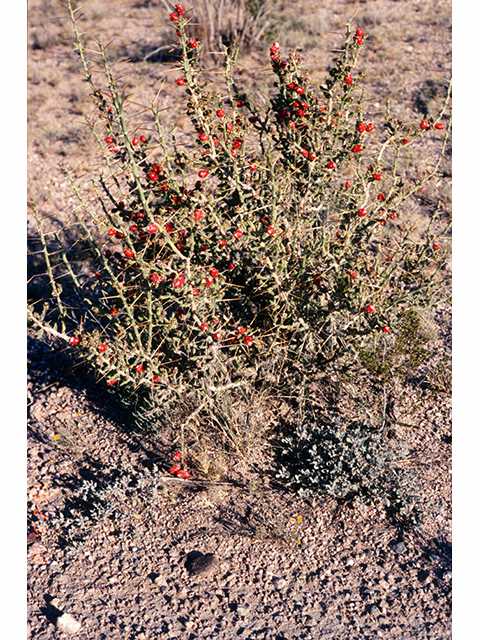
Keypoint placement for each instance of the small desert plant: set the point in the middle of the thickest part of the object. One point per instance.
(351, 463)
(229, 23)
(266, 243)
(440, 378)
(104, 505)
(400, 357)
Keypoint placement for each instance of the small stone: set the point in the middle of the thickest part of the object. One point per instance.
(203, 564)
(399, 547)
(160, 581)
(350, 562)
(67, 624)
(37, 548)
(280, 583)
(423, 575)
(31, 537)
(242, 610)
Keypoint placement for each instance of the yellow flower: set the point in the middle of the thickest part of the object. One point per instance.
(56, 437)
(299, 518)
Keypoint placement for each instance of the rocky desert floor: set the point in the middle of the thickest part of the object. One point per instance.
(119, 550)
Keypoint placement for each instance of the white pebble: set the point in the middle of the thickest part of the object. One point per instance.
(68, 624)
(160, 581)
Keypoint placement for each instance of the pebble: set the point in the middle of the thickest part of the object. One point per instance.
(280, 583)
(399, 547)
(37, 548)
(160, 581)
(204, 564)
(67, 624)
(423, 575)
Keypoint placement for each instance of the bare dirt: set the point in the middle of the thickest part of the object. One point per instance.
(117, 543)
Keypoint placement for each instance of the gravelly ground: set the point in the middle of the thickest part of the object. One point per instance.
(114, 554)
(121, 568)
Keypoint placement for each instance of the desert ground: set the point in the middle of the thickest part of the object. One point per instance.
(112, 541)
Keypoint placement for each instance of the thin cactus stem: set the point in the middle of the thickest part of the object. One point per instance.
(105, 265)
(55, 288)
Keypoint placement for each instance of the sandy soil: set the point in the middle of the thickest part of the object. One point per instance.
(113, 541)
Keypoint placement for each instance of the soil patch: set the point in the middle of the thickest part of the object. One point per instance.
(131, 553)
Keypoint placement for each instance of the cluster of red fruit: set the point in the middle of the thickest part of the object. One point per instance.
(424, 125)
(110, 141)
(371, 309)
(179, 11)
(102, 348)
(358, 38)
(178, 281)
(297, 114)
(177, 470)
(155, 174)
(218, 335)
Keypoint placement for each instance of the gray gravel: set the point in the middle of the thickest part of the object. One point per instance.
(145, 558)
(114, 555)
